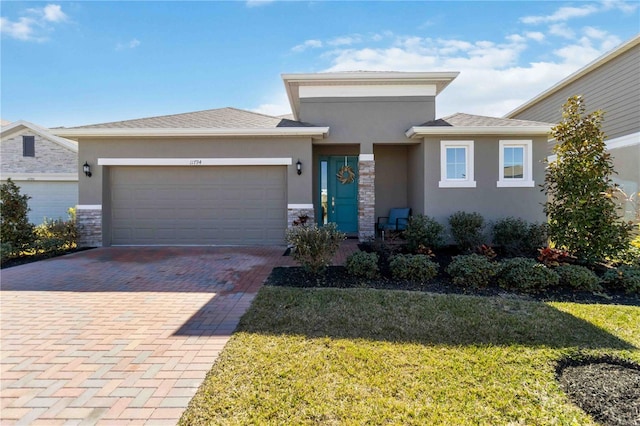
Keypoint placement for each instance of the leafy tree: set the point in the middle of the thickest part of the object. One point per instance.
(583, 215)
(15, 230)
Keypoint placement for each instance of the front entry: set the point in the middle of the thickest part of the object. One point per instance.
(339, 192)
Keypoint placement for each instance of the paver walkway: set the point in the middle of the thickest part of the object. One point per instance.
(121, 335)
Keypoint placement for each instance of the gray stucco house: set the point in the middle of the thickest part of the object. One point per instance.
(43, 165)
(358, 144)
(610, 83)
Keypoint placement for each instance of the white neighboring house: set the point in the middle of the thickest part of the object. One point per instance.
(43, 165)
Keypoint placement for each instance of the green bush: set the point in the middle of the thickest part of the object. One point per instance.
(15, 229)
(471, 270)
(54, 236)
(314, 247)
(625, 277)
(517, 237)
(362, 264)
(413, 267)
(526, 275)
(466, 229)
(423, 231)
(578, 277)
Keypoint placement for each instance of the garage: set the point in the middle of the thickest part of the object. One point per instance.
(202, 205)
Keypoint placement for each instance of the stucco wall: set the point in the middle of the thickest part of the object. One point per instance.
(391, 178)
(91, 189)
(487, 199)
(367, 120)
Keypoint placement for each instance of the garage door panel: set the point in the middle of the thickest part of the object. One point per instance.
(198, 205)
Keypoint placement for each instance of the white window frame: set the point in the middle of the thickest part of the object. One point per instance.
(527, 173)
(469, 180)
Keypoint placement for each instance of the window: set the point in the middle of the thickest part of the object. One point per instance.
(28, 146)
(515, 164)
(456, 164)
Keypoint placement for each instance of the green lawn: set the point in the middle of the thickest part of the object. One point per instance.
(360, 356)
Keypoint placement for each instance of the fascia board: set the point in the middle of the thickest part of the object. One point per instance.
(422, 131)
(314, 132)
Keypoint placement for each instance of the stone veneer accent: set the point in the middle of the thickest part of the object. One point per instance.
(89, 222)
(366, 199)
(293, 213)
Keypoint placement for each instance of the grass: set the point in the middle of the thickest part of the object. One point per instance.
(356, 356)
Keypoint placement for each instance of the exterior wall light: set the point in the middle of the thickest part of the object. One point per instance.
(299, 167)
(86, 168)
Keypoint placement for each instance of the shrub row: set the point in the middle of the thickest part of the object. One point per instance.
(515, 236)
(518, 274)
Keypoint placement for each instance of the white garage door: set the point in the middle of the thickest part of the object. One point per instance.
(50, 199)
(227, 205)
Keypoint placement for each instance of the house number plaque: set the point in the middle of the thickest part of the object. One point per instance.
(195, 162)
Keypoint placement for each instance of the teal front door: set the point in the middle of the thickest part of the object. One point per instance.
(339, 192)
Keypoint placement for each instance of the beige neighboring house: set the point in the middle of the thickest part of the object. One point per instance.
(610, 83)
(43, 165)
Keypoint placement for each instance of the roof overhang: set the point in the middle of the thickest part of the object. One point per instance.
(292, 82)
(313, 132)
(577, 75)
(417, 132)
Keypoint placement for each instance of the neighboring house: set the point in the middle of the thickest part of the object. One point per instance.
(43, 165)
(358, 144)
(610, 83)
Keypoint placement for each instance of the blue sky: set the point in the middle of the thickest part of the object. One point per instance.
(74, 63)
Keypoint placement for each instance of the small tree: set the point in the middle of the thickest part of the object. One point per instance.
(15, 230)
(581, 209)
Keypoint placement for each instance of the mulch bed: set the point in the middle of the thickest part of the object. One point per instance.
(37, 257)
(606, 388)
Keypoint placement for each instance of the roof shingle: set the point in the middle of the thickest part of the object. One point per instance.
(469, 120)
(221, 118)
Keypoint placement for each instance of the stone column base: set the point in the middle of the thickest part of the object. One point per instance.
(366, 197)
(89, 223)
(295, 211)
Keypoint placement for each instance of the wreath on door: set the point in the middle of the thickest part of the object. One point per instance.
(346, 175)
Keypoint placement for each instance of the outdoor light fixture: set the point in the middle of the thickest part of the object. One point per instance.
(86, 168)
(299, 167)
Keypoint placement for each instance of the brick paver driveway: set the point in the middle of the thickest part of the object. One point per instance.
(120, 335)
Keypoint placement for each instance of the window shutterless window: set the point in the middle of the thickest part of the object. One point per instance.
(515, 164)
(28, 146)
(456, 164)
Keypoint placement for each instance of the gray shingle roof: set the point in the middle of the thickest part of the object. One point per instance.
(221, 118)
(468, 120)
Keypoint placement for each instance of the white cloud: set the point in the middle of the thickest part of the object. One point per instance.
(54, 13)
(561, 30)
(22, 29)
(562, 14)
(308, 44)
(276, 106)
(258, 3)
(493, 80)
(626, 7)
(36, 25)
(345, 41)
(131, 44)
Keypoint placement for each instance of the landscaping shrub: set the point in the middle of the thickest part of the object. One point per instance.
(314, 247)
(581, 207)
(466, 229)
(423, 231)
(625, 277)
(15, 230)
(54, 236)
(362, 264)
(554, 257)
(413, 267)
(578, 277)
(471, 270)
(526, 275)
(517, 237)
